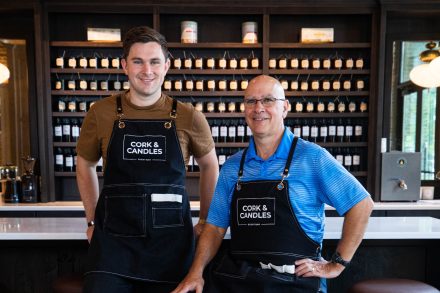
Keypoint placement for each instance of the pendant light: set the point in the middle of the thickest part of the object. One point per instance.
(427, 75)
(4, 73)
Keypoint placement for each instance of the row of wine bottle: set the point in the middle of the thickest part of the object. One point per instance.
(350, 158)
(65, 160)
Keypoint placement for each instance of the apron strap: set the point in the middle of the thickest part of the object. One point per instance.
(173, 115)
(280, 185)
(119, 113)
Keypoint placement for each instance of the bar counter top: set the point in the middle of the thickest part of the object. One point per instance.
(398, 228)
(195, 206)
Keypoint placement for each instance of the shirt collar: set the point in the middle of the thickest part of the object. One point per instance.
(282, 151)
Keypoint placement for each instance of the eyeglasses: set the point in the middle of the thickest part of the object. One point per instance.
(266, 102)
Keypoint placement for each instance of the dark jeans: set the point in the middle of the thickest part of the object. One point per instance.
(108, 283)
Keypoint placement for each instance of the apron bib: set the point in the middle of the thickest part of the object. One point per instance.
(264, 229)
(143, 228)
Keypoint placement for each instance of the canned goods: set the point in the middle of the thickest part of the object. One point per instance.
(189, 32)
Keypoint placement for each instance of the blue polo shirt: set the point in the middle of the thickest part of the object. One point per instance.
(315, 178)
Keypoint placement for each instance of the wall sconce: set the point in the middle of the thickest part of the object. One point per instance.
(4, 73)
(428, 74)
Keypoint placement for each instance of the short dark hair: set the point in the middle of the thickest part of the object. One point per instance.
(143, 34)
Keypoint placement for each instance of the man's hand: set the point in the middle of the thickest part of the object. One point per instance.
(322, 268)
(198, 228)
(190, 283)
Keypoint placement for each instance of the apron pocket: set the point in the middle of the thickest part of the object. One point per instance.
(232, 269)
(125, 215)
(167, 210)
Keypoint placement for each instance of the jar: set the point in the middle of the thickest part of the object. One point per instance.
(188, 32)
(249, 32)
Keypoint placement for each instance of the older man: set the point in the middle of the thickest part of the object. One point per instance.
(272, 196)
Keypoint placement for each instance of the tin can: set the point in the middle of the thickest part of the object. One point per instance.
(249, 32)
(189, 32)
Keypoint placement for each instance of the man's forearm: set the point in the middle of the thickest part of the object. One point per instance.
(88, 186)
(207, 247)
(208, 179)
(355, 223)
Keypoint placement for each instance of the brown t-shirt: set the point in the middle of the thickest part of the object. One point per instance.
(192, 128)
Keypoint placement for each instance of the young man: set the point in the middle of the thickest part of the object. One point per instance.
(139, 227)
(272, 197)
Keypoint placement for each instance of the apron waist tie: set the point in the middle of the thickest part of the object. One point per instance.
(284, 269)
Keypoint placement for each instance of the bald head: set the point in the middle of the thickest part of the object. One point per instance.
(264, 83)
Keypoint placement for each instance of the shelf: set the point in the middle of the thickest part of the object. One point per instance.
(241, 115)
(245, 144)
(325, 94)
(216, 71)
(214, 46)
(84, 93)
(329, 115)
(205, 93)
(319, 46)
(319, 71)
(88, 70)
(356, 174)
(85, 44)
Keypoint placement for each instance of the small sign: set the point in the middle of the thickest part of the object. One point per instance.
(317, 35)
(104, 34)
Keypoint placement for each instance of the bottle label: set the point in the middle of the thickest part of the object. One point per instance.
(59, 160)
(349, 63)
(340, 130)
(104, 85)
(94, 85)
(83, 84)
(299, 107)
(233, 63)
(117, 85)
(340, 159)
(233, 85)
(199, 106)
(310, 107)
(93, 63)
(126, 85)
(231, 107)
(347, 85)
(222, 63)
(285, 85)
(232, 131)
(210, 63)
(326, 85)
(199, 63)
(61, 106)
(66, 129)
(72, 106)
(72, 62)
(294, 85)
(223, 131)
(177, 63)
(75, 131)
(211, 85)
(348, 160)
(255, 63)
(315, 85)
(326, 63)
(115, 63)
(244, 84)
(240, 130)
(323, 131)
(358, 130)
(352, 106)
(178, 85)
(341, 107)
(305, 63)
(336, 85)
(282, 63)
(304, 85)
(360, 84)
(314, 131)
(243, 63)
(214, 131)
(332, 130)
(356, 160)
(338, 63)
(59, 62)
(221, 160)
(359, 63)
(297, 131)
(210, 107)
(104, 62)
(272, 63)
(188, 63)
(189, 85)
(331, 107)
(83, 106)
(71, 84)
(69, 161)
(305, 130)
(83, 62)
(221, 107)
(58, 131)
(316, 64)
(348, 130)
(222, 84)
(321, 107)
(294, 63)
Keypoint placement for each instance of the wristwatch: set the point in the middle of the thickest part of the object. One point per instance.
(337, 258)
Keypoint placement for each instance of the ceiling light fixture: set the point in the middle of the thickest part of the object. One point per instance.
(4, 73)
(427, 75)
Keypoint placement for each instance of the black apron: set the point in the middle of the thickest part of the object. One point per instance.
(264, 229)
(143, 228)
